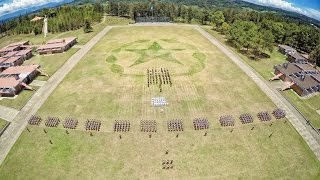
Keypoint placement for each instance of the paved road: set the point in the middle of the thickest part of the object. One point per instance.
(17, 125)
(7, 113)
(292, 114)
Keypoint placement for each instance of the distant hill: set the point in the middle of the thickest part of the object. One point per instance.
(240, 4)
(30, 10)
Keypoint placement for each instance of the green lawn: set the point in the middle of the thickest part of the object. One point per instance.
(109, 84)
(2, 123)
(51, 63)
(264, 67)
(307, 106)
(19, 101)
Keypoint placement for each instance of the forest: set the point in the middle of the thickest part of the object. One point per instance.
(252, 31)
(61, 19)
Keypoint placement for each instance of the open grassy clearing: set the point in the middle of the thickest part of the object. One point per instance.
(51, 63)
(264, 67)
(205, 84)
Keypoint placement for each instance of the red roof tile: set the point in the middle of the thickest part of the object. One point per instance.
(8, 82)
(20, 69)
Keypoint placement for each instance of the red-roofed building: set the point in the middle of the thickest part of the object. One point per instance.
(303, 78)
(57, 45)
(11, 61)
(10, 86)
(24, 73)
(14, 79)
(13, 47)
(25, 54)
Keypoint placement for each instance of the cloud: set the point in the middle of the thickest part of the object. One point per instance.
(16, 5)
(282, 4)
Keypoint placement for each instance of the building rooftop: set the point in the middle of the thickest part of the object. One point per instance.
(62, 40)
(8, 82)
(20, 69)
(6, 49)
(286, 47)
(18, 44)
(306, 67)
(51, 46)
(316, 77)
(18, 53)
(2, 59)
(11, 59)
(36, 18)
(288, 68)
(56, 43)
(297, 56)
(305, 82)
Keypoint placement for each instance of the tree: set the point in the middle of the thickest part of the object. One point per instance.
(291, 34)
(217, 18)
(244, 34)
(189, 14)
(265, 42)
(36, 30)
(87, 26)
(225, 28)
(315, 55)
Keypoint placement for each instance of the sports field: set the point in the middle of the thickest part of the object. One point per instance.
(110, 83)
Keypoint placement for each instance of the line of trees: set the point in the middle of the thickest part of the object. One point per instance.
(253, 32)
(64, 18)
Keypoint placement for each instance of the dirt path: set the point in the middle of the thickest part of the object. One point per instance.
(19, 123)
(308, 134)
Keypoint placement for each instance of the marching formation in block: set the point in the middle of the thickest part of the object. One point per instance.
(52, 121)
(159, 101)
(200, 123)
(175, 125)
(151, 125)
(92, 125)
(70, 123)
(227, 120)
(246, 118)
(167, 164)
(35, 120)
(121, 126)
(148, 126)
(264, 116)
(159, 77)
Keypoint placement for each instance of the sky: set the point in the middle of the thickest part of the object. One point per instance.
(310, 8)
(14, 8)
(10, 6)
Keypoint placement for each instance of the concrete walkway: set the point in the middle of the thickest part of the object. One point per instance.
(38, 83)
(18, 124)
(7, 113)
(308, 134)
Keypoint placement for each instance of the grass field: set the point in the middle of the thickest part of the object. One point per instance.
(264, 67)
(109, 84)
(51, 63)
(2, 123)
